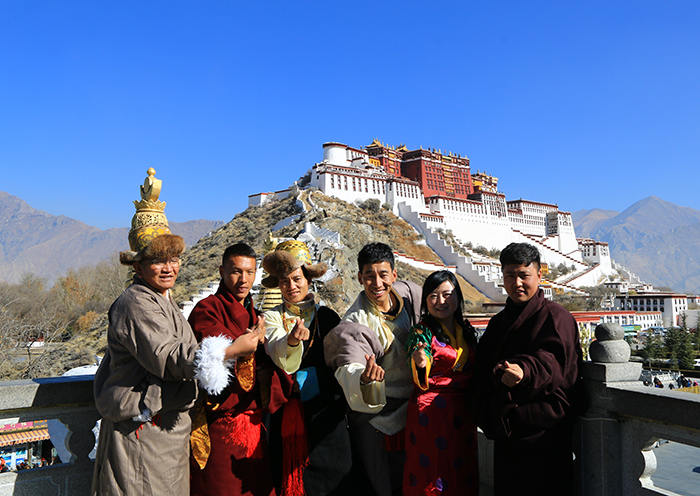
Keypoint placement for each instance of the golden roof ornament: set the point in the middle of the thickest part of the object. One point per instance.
(149, 221)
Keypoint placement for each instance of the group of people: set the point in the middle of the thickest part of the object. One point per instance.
(22, 465)
(385, 400)
(681, 382)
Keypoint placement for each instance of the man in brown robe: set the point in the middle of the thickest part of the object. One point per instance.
(527, 371)
(238, 463)
(145, 383)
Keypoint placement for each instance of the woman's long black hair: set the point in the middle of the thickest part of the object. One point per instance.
(432, 282)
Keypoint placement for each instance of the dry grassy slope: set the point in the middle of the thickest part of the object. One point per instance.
(200, 265)
(357, 226)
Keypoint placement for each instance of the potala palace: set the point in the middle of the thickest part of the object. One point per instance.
(457, 210)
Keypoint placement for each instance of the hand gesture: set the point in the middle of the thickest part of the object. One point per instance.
(298, 333)
(512, 373)
(372, 372)
(243, 345)
(419, 356)
(259, 329)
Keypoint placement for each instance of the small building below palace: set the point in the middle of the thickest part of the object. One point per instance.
(671, 305)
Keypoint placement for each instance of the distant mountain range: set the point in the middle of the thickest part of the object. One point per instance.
(657, 239)
(33, 241)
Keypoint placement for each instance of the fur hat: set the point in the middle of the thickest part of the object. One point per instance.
(287, 257)
(161, 247)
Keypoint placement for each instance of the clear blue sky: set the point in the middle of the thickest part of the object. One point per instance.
(586, 104)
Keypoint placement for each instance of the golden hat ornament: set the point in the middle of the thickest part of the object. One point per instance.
(269, 298)
(148, 222)
(287, 257)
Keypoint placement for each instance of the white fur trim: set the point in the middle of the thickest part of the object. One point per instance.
(211, 370)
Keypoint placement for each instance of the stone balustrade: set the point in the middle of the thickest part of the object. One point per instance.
(70, 400)
(624, 419)
(614, 439)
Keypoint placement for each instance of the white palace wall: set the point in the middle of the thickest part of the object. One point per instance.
(408, 193)
(470, 221)
(487, 220)
(349, 187)
(464, 267)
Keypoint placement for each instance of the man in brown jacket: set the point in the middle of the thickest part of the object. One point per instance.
(527, 371)
(146, 381)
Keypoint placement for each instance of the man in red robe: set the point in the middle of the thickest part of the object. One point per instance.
(231, 458)
(527, 370)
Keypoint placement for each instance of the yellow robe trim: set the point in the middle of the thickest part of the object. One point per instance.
(245, 372)
(305, 310)
(199, 437)
(386, 336)
(421, 382)
(459, 344)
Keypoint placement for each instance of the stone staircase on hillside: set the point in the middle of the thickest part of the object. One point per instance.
(577, 275)
(422, 264)
(549, 252)
(203, 292)
(464, 266)
(627, 273)
(587, 275)
(566, 287)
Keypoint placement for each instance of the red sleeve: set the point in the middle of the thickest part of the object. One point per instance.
(208, 318)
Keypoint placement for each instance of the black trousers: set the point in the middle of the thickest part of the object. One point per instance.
(377, 471)
(543, 466)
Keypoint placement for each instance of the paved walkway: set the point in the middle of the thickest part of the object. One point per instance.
(678, 468)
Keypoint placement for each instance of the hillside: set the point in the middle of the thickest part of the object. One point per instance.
(85, 337)
(657, 239)
(36, 242)
(357, 226)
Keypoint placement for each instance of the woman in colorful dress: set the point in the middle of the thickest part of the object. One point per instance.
(441, 444)
(316, 454)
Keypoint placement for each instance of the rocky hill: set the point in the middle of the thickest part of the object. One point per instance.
(36, 242)
(657, 239)
(85, 338)
(287, 218)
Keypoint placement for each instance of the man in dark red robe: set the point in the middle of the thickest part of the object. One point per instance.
(229, 449)
(528, 370)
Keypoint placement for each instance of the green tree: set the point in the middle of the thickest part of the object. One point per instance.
(653, 349)
(570, 301)
(679, 346)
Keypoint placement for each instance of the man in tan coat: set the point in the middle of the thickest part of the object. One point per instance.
(146, 382)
